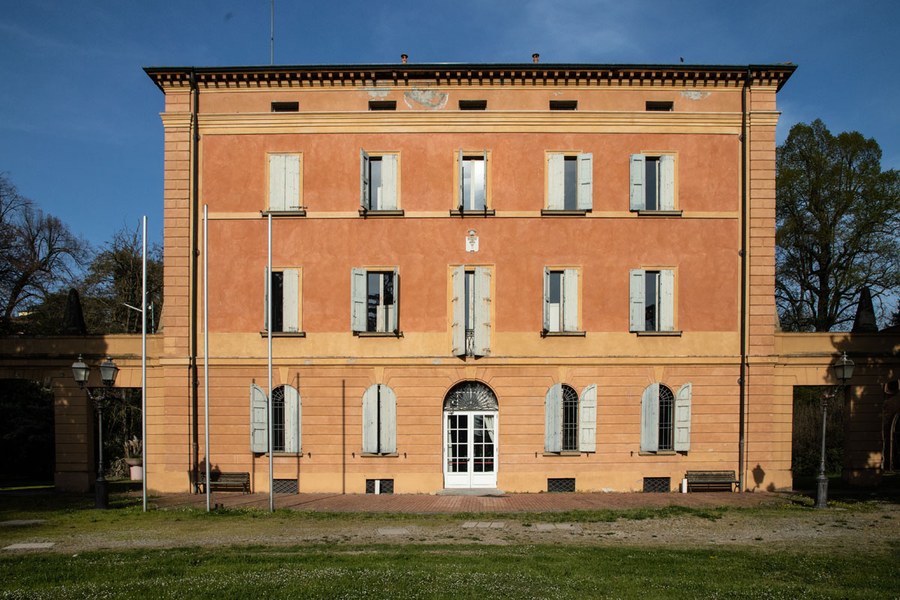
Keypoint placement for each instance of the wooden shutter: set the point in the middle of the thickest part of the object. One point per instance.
(585, 181)
(482, 311)
(358, 305)
(291, 182)
(370, 420)
(666, 300)
(570, 300)
(259, 419)
(666, 182)
(462, 181)
(637, 198)
(291, 300)
(650, 418)
(291, 419)
(683, 419)
(587, 419)
(388, 432)
(277, 172)
(364, 184)
(546, 299)
(389, 182)
(553, 419)
(458, 307)
(393, 323)
(556, 181)
(636, 300)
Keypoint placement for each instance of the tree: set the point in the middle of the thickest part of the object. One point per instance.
(837, 227)
(38, 253)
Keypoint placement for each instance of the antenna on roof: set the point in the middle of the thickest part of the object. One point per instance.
(272, 37)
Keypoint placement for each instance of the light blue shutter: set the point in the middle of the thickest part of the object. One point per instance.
(636, 300)
(482, 311)
(553, 419)
(587, 419)
(458, 306)
(666, 300)
(358, 300)
(291, 182)
(667, 182)
(259, 418)
(683, 419)
(570, 300)
(556, 181)
(291, 419)
(389, 182)
(388, 433)
(364, 180)
(546, 299)
(394, 310)
(370, 420)
(277, 168)
(637, 198)
(650, 418)
(290, 300)
(585, 181)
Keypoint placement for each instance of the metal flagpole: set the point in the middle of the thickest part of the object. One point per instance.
(206, 348)
(269, 330)
(144, 363)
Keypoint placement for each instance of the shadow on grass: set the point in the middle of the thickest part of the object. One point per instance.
(31, 497)
(887, 490)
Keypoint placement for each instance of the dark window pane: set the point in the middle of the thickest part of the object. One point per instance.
(570, 419)
(277, 301)
(666, 418)
(651, 299)
(651, 183)
(570, 200)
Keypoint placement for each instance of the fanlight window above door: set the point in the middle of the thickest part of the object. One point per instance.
(470, 395)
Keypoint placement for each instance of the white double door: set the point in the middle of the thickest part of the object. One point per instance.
(470, 449)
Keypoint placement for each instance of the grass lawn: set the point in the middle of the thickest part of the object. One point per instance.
(440, 571)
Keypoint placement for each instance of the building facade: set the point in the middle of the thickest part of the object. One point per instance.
(524, 277)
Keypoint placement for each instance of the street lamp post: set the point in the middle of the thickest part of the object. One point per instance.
(843, 371)
(108, 371)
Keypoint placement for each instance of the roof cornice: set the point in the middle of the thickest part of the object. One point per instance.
(470, 74)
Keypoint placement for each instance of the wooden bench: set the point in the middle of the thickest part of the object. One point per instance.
(711, 481)
(226, 482)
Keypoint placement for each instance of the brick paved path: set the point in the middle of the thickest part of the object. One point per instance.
(505, 503)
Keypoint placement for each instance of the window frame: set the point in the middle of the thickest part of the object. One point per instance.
(291, 420)
(666, 187)
(284, 177)
(584, 425)
(460, 158)
(555, 183)
(390, 178)
(477, 341)
(360, 300)
(677, 422)
(666, 305)
(290, 305)
(569, 307)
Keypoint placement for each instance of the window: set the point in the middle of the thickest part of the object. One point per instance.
(652, 183)
(662, 106)
(569, 185)
(382, 105)
(570, 423)
(285, 106)
(473, 105)
(560, 300)
(286, 410)
(375, 296)
(652, 300)
(285, 305)
(378, 182)
(379, 413)
(666, 419)
(563, 104)
(284, 182)
(471, 307)
(472, 181)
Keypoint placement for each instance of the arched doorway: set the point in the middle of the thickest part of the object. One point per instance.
(470, 436)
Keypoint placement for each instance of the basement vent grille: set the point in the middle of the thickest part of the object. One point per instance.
(285, 486)
(379, 486)
(661, 485)
(561, 484)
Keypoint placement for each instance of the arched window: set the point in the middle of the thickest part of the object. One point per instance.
(470, 395)
(666, 419)
(570, 422)
(285, 419)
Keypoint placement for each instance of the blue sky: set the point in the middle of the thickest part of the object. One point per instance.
(80, 132)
